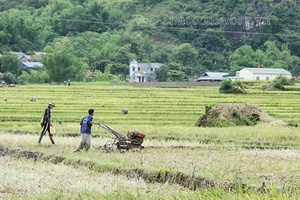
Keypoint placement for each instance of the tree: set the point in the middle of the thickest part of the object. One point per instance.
(241, 58)
(162, 74)
(174, 75)
(61, 63)
(185, 54)
(272, 57)
(10, 63)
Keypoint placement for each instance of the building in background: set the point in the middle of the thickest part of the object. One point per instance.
(143, 72)
(261, 74)
(213, 76)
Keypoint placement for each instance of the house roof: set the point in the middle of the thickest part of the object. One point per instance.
(267, 70)
(133, 62)
(31, 64)
(212, 76)
(88, 73)
(18, 54)
(27, 56)
(138, 73)
(39, 53)
(147, 66)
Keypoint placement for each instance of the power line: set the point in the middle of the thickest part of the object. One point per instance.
(208, 30)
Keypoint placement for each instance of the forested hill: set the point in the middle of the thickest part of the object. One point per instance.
(188, 36)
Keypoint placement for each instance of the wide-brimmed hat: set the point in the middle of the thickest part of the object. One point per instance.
(52, 104)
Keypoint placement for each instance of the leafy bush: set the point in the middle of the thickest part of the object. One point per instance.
(279, 82)
(232, 87)
(99, 76)
(9, 78)
(32, 76)
(284, 80)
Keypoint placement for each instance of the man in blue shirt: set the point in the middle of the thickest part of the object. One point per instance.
(85, 130)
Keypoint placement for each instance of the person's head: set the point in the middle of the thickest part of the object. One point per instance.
(91, 111)
(51, 105)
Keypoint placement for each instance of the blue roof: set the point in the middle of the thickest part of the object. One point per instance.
(212, 76)
(31, 64)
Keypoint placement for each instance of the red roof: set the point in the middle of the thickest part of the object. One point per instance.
(141, 72)
(88, 73)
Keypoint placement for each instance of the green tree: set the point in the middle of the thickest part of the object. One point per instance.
(10, 63)
(34, 76)
(241, 58)
(9, 78)
(61, 63)
(20, 30)
(272, 57)
(184, 54)
(176, 76)
(162, 74)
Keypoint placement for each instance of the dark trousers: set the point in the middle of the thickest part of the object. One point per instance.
(46, 128)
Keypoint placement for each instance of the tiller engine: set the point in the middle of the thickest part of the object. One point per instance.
(134, 140)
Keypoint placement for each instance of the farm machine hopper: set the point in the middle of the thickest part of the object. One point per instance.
(134, 140)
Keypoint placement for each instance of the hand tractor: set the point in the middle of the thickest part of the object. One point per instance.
(133, 140)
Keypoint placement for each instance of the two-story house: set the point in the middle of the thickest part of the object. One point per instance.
(143, 72)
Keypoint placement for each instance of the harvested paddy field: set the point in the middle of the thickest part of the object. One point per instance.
(179, 161)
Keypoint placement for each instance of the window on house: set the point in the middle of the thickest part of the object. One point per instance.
(151, 69)
(139, 69)
(133, 68)
(257, 78)
(267, 78)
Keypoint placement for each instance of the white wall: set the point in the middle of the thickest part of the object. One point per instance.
(247, 75)
(133, 67)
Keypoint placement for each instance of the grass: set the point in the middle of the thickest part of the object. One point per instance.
(160, 106)
(221, 163)
(40, 180)
(27, 179)
(248, 155)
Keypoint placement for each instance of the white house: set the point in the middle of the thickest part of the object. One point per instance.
(263, 74)
(143, 72)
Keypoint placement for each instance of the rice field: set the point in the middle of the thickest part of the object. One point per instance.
(245, 157)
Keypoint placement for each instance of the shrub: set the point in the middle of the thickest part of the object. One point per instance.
(279, 82)
(284, 80)
(232, 87)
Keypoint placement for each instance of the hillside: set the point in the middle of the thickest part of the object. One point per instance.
(191, 36)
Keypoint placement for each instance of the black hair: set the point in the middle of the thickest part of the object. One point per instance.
(91, 111)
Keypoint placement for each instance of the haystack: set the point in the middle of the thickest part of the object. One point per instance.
(235, 115)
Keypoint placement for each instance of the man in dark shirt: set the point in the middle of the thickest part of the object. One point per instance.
(46, 122)
(85, 130)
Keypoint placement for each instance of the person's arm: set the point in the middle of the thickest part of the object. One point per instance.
(90, 120)
(47, 116)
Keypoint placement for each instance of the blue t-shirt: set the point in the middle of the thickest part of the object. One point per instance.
(85, 124)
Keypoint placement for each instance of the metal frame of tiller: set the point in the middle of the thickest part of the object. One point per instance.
(133, 140)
